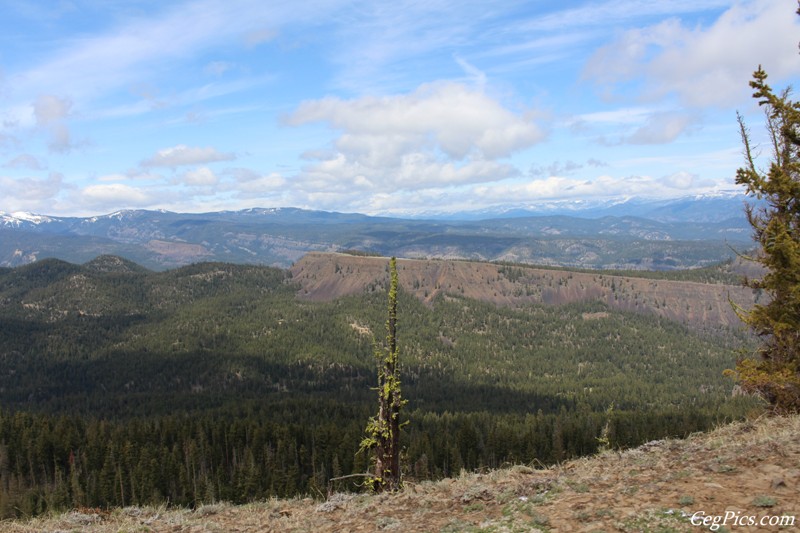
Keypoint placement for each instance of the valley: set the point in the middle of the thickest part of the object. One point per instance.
(667, 235)
(250, 381)
(418, 266)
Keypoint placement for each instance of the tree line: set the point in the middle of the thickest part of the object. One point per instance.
(59, 462)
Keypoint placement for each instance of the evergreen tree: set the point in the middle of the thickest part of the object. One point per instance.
(775, 373)
(383, 431)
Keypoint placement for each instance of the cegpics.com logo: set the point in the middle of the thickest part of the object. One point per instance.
(734, 519)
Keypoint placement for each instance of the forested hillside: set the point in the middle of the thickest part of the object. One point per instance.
(214, 381)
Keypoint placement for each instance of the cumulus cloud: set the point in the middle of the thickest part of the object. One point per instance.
(32, 188)
(114, 195)
(246, 176)
(181, 155)
(200, 176)
(30, 193)
(443, 133)
(682, 180)
(259, 185)
(703, 65)
(454, 118)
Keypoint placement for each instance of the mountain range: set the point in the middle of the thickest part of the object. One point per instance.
(630, 234)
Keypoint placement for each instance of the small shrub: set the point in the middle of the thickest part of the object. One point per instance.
(765, 501)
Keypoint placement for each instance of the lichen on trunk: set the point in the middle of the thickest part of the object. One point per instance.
(383, 430)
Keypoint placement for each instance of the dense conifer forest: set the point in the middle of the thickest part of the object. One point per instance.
(121, 386)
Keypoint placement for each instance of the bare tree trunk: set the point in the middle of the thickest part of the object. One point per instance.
(383, 431)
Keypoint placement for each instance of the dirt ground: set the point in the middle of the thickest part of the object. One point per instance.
(732, 479)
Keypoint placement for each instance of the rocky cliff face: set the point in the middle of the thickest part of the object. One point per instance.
(329, 276)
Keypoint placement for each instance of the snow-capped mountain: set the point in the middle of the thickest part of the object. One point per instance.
(22, 218)
(622, 233)
(713, 207)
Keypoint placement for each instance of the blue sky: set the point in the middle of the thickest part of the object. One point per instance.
(401, 107)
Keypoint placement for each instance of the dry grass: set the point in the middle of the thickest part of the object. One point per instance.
(750, 468)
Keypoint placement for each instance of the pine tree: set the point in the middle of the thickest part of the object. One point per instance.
(383, 430)
(775, 373)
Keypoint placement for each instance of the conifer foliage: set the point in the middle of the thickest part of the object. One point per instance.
(383, 430)
(775, 373)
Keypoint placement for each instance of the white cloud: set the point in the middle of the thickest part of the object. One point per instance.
(114, 195)
(49, 109)
(113, 177)
(681, 180)
(133, 50)
(31, 194)
(261, 184)
(61, 139)
(661, 128)
(477, 76)
(425, 144)
(200, 176)
(510, 192)
(51, 113)
(615, 12)
(443, 133)
(626, 115)
(634, 125)
(185, 155)
(380, 45)
(245, 183)
(452, 117)
(704, 66)
(604, 186)
(141, 175)
(25, 161)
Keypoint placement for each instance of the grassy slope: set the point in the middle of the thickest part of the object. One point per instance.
(749, 469)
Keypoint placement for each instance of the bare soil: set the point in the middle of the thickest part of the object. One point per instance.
(750, 470)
